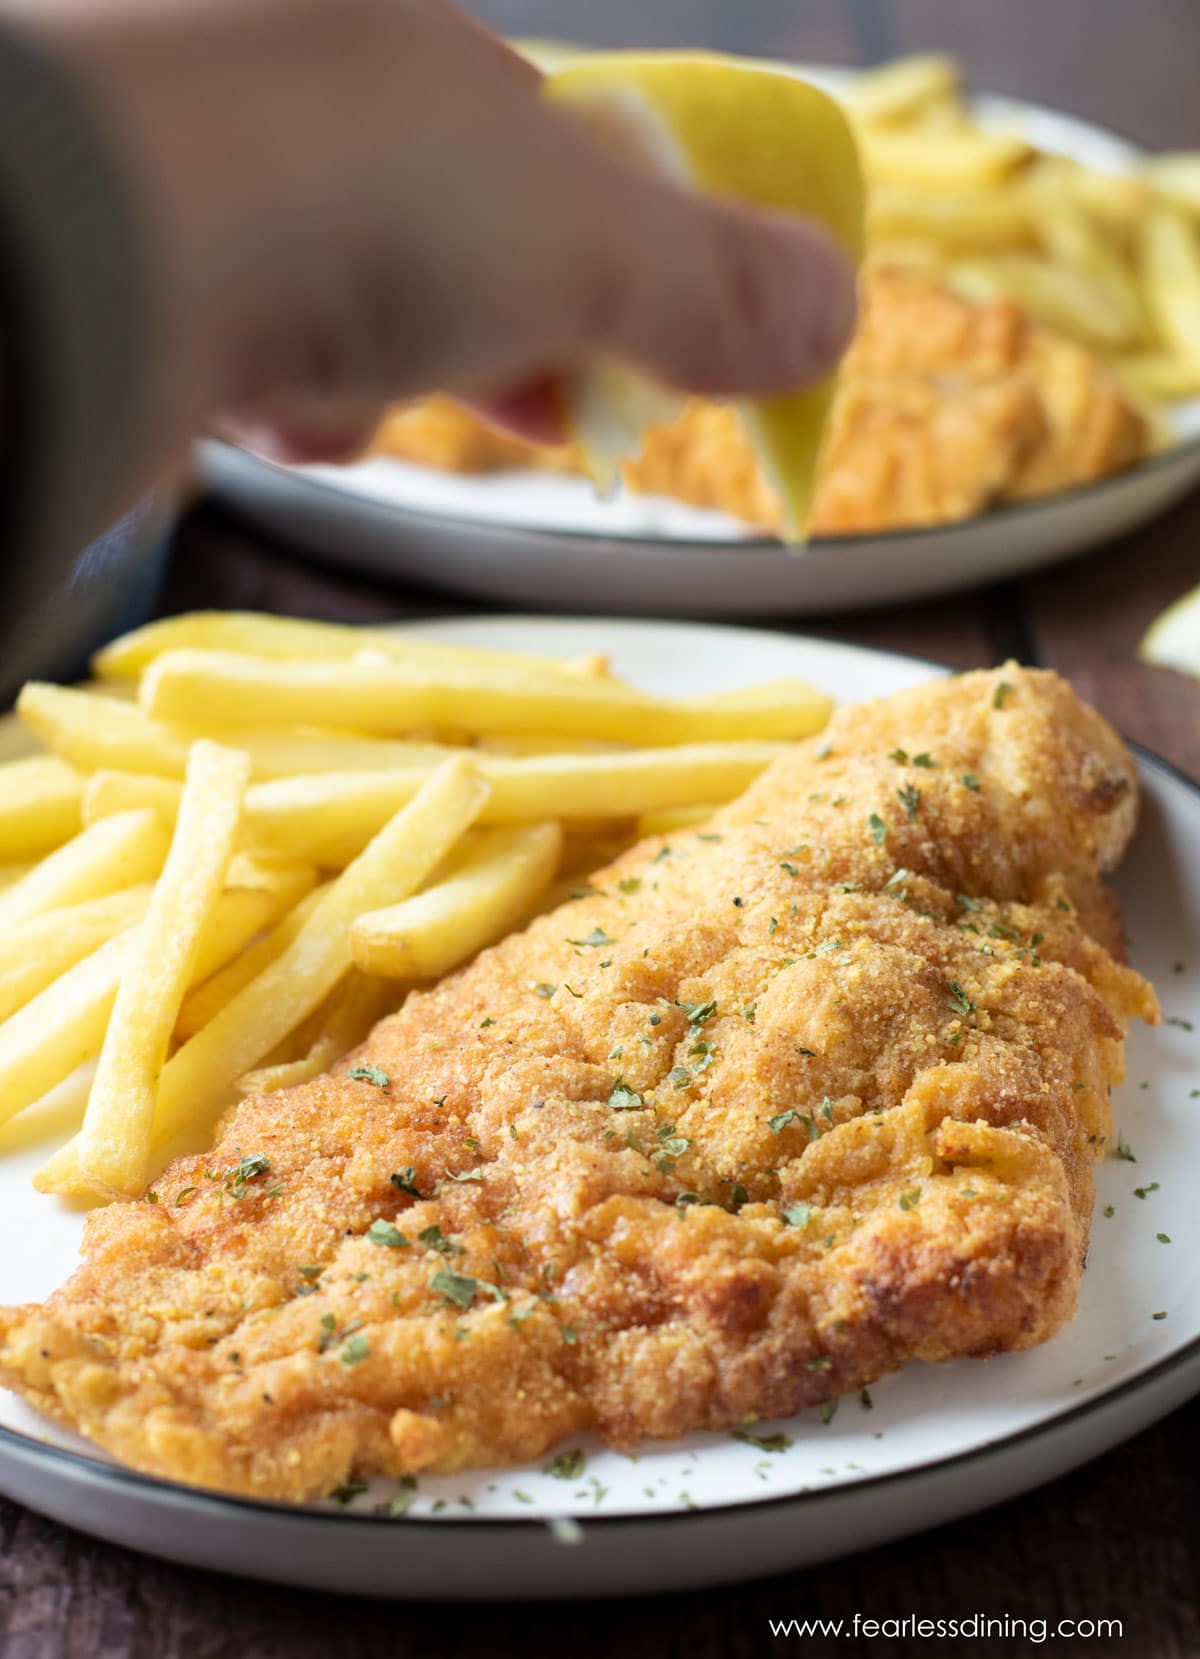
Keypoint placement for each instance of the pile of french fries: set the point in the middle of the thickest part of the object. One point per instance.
(247, 836)
(1111, 260)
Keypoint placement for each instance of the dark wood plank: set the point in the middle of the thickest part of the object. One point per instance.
(219, 562)
(1118, 1539)
(1087, 620)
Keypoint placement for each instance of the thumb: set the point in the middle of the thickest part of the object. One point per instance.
(708, 295)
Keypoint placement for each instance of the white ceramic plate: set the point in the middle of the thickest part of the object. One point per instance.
(939, 1442)
(540, 540)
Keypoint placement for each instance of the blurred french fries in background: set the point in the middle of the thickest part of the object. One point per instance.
(1171, 274)
(249, 836)
(904, 90)
(1176, 179)
(1110, 259)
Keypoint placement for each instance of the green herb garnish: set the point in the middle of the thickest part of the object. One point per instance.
(369, 1074)
(764, 1442)
(568, 1465)
(354, 1350)
(455, 1287)
(596, 937)
(383, 1232)
(959, 1000)
(910, 800)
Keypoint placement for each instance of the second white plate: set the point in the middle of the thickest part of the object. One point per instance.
(543, 541)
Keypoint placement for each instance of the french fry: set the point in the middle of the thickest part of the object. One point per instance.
(391, 697)
(1176, 178)
(1071, 236)
(979, 220)
(357, 1005)
(594, 665)
(107, 793)
(536, 743)
(1065, 298)
(118, 852)
(91, 732)
(15, 743)
(903, 89)
(962, 162)
(289, 880)
(329, 818)
(426, 935)
(40, 806)
(41, 948)
(1157, 377)
(61, 1027)
(114, 1141)
(64, 1025)
(1118, 202)
(207, 999)
(288, 639)
(1170, 255)
(53, 1116)
(200, 1075)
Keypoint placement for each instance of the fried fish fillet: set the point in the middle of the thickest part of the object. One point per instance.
(785, 1103)
(944, 409)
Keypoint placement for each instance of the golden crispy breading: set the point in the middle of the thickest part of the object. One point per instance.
(437, 432)
(789, 1101)
(944, 409)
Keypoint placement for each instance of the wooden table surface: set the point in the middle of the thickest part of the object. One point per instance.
(1119, 1538)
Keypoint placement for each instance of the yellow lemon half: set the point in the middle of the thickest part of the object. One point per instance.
(732, 128)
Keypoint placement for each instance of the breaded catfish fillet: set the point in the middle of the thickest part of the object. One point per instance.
(785, 1103)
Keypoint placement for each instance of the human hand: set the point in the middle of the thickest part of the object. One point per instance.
(354, 201)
